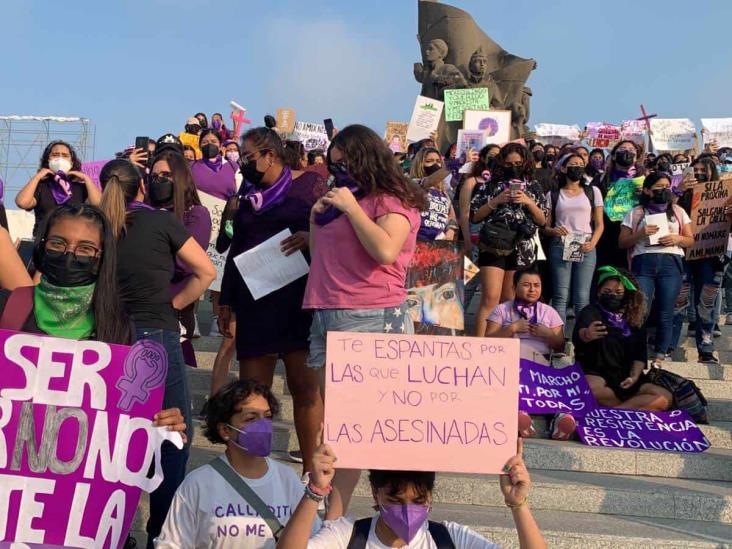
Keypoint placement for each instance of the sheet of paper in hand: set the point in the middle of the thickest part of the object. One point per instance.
(623, 197)
(573, 247)
(547, 390)
(672, 431)
(421, 403)
(266, 269)
(660, 221)
(76, 442)
(425, 118)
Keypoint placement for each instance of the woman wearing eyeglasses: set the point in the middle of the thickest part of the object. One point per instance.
(273, 197)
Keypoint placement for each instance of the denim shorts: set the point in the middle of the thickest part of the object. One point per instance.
(394, 320)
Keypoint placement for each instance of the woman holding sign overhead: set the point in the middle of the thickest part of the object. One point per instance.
(274, 199)
(656, 233)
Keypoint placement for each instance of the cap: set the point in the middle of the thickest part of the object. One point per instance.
(193, 121)
(168, 141)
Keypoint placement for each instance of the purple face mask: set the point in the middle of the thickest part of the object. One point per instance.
(256, 438)
(406, 519)
(597, 163)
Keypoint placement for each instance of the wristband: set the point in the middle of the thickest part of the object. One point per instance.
(519, 504)
(320, 491)
(317, 498)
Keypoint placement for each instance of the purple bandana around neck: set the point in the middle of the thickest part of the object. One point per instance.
(215, 164)
(60, 188)
(617, 320)
(332, 213)
(619, 173)
(657, 208)
(265, 198)
(137, 205)
(526, 310)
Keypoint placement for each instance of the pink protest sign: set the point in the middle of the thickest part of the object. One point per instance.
(93, 169)
(76, 440)
(425, 403)
(602, 135)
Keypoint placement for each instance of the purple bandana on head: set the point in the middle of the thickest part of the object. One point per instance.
(265, 198)
(60, 188)
(216, 164)
(617, 320)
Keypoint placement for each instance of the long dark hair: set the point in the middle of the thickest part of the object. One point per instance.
(372, 165)
(75, 160)
(265, 139)
(185, 195)
(640, 168)
(112, 323)
(522, 151)
(120, 180)
(634, 305)
(650, 180)
(709, 167)
(484, 163)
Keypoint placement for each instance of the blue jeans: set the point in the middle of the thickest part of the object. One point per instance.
(172, 460)
(728, 289)
(660, 277)
(704, 277)
(570, 276)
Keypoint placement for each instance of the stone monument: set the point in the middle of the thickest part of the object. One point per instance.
(456, 53)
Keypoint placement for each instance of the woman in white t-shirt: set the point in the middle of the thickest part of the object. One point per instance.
(404, 499)
(207, 511)
(576, 224)
(657, 262)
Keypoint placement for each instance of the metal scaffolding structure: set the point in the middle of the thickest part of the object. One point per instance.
(23, 139)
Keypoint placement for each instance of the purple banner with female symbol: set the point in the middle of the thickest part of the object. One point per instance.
(76, 440)
(672, 431)
(547, 390)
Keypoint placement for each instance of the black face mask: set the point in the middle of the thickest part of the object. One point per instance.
(161, 191)
(701, 177)
(429, 170)
(538, 155)
(190, 128)
(611, 302)
(624, 158)
(550, 158)
(663, 166)
(66, 271)
(210, 151)
(575, 173)
(251, 173)
(661, 196)
(513, 172)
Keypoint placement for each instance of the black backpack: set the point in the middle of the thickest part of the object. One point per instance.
(589, 193)
(437, 530)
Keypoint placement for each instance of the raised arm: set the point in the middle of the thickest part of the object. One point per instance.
(26, 197)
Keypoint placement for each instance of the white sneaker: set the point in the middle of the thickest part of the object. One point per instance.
(214, 327)
(196, 331)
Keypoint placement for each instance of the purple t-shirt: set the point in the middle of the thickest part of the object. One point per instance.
(221, 184)
(506, 314)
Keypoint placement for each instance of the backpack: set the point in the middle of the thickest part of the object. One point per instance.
(18, 308)
(589, 193)
(687, 395)
(362, 527)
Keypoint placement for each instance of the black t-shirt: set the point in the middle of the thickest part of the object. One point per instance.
(145, 267)
(45, 203)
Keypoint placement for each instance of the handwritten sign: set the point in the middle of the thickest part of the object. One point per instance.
(93, 169)
(602, 135)
(708, 220)
(215, 207)
(312, 136)
(423, 403)
(496, 125)
(547, 390)
(396, 136)
(556, 134)
(458, 101)
(622, 197)
(672, 431)
(425, 118)
(673, 134)
(718, 131)
(76, 440)
(285, 120)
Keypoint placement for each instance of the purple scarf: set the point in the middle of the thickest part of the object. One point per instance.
(215, 164)
(657, 208)
(619, 173)
(617, 320)
(332, 213)
(266, 198)
(60, 188)
(136, 205)
(526, 310)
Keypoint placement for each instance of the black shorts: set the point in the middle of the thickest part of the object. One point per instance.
(505, 262)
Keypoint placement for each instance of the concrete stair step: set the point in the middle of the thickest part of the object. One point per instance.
(698, 371)
(719, 409)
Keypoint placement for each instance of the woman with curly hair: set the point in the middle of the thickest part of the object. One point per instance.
(610, 345)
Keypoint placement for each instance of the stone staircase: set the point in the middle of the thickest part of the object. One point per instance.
(582, 497)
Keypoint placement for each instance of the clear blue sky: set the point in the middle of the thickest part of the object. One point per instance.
(140, 67)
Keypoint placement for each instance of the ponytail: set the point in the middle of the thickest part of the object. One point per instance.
(120, 181)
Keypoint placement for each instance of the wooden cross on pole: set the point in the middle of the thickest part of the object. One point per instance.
(646, 118)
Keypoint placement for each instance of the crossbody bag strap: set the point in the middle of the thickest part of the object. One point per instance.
(249, 495)
(360, 534)
(440, 535)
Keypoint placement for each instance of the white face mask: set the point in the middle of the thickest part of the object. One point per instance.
(59, 165)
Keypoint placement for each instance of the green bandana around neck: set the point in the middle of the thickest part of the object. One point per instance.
(64, 312)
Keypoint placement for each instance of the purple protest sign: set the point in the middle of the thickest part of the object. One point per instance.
(672, 431)
(547, 390)
(93, 169)
(72, 464)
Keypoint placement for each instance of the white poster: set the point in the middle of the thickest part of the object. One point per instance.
(718, 131)
(312, 136)
(672, 134)
(496, 125)
(634, 130)
(215, 207)
(425, 118)
(560, 132)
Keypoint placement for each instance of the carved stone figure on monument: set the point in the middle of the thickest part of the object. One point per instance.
(479, 77)
(520, 112)
(436, 75)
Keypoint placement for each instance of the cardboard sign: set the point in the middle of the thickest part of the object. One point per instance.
(396, 136)
(718, 131)
(312, 136)
(673, 134)
(93, 169)
(422, 403)
(435, 294)
(547, 390)
(76, 442)
(285, 120)
(708, 220)
(495, 124)
(623, 197)
(672, 431)
(602, 135)
(470, 139)
(215, 207)
(459, 101)
(425, 118)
